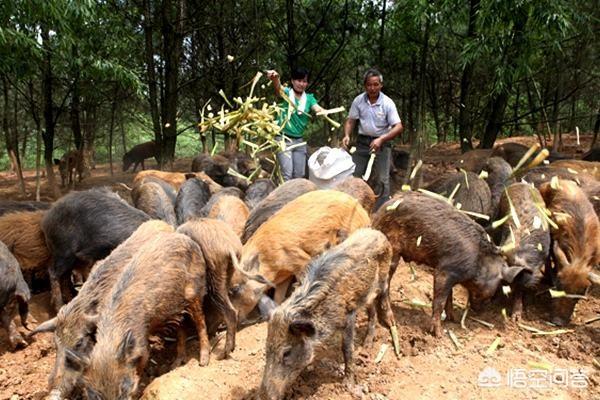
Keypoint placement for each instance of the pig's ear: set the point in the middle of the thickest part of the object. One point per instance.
(510, 273)
(46, 326)
(126, 347)
(302, 327)
(266, 306)
(74, 360)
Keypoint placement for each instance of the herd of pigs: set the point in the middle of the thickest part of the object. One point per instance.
(207, 249)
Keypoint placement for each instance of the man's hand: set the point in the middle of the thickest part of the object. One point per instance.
(376, 144)
(345, 142)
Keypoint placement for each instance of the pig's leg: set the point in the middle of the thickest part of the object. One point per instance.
(281, 290)
(55, 283)
(14, 337)
(371, 311)
(348, 348)
(230, 315)
(395, 260)
(517, 303)
(198, 317)
(449, 307)
(143, 167)
(442, 287)
(180, 357)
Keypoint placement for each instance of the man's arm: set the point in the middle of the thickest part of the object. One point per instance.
(348, 128)
(395, 131)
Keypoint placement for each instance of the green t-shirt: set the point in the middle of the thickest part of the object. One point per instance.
(299, 118)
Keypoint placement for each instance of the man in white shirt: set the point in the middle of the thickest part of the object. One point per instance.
(379, 124)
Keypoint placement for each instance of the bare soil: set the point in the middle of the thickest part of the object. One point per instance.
(528, 366)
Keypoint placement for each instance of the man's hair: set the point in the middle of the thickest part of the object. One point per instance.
(373, 72)
(300, 73)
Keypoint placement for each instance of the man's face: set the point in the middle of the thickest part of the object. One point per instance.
(373, 86)
(299, 85)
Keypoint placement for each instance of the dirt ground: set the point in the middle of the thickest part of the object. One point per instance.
(523, 366)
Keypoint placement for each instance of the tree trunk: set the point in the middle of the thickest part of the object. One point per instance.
(111, 130)
(596, 130)
(382, 33)
(75, 103)
(48, 134)
(172, 43)
(292, 56)
(12, 143)
(498, 102)
(465, 123)
(151, 75)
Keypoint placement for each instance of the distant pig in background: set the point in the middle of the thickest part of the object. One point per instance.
(337, 283)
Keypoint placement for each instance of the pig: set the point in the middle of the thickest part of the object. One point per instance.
(164, 281)
(360, 190)
(230, 191)
(219, 244)
(14, 294)
(591, 155)
(230, 210)
(432, 232)
(340, 281)
(74, 326)
(282, 247)
(167, 188)
(257, 191)
(214, 166)
(8, 206)
(241, 162)
(575, 244)
(473, 160)
(191, 198)
(138, 153)
(274, 202)
(83, 227)
(151, 198)
(579, 166)
(22, 233)
(70, 161)
(499, 176)
(527, 242)
(511, 152)
(176, 179)
(472, 193)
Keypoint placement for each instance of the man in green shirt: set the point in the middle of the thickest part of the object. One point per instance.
(292, 163)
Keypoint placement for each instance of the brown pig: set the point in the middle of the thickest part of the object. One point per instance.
(360, 190)
(75, 324)
(337, 283)
(219, 244)
(274, 202)
(282, 247)
(22, 233)
(164, 281)
(231, 210)
(176, 179)
(524, 237)
(576, 244)
(152, 199)
(71, 161)
(14, 294)
(434, 233)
